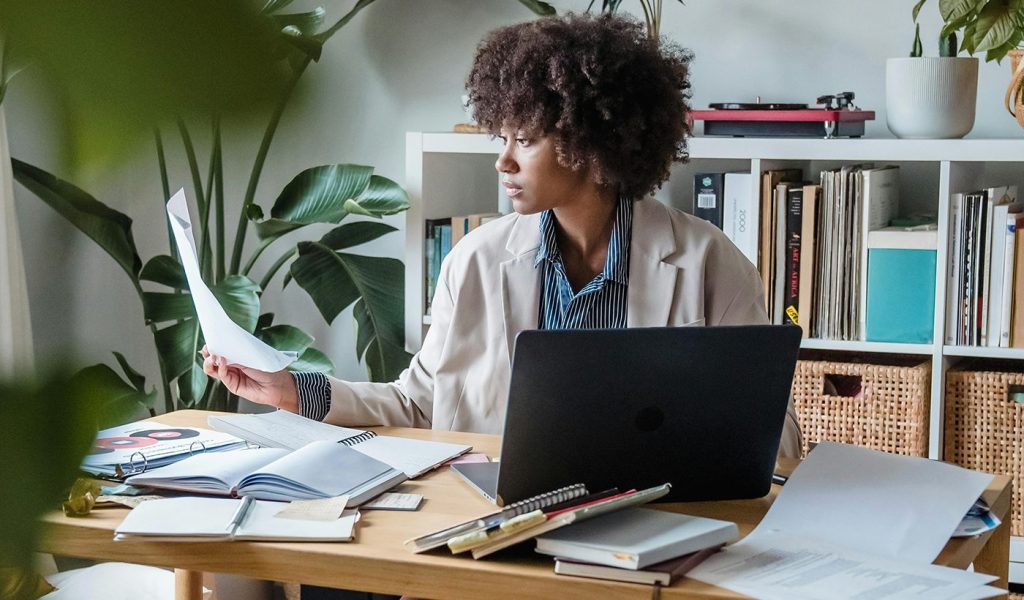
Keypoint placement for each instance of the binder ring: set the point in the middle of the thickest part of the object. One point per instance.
(251, 445)
(191, 447)
(134, 469)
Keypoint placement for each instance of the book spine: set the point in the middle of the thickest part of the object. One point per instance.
(740, 214)
(1006, 299)
(794, 224)
(956, 205)
(808, 261)
(708, 197)
(1017, 318)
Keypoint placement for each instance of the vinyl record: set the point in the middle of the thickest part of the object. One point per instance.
(161, 435)
(757, 106)
(124, 443)
(98, 450)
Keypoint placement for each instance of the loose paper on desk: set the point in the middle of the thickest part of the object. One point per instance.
(320, 509)
(223, 336)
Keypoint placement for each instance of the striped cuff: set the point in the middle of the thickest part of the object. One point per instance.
(314, 393)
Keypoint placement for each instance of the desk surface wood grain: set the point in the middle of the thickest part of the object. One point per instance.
(377, 561)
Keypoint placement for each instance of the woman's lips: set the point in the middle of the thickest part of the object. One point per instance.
(512, 190)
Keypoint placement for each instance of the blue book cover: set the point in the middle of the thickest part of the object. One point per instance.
(901, 287)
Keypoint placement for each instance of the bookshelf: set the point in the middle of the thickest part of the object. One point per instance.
(450, 174)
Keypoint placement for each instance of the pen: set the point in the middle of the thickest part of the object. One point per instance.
(470, 540)
(240, 514)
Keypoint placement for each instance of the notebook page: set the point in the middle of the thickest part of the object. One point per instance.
(219, 471)
(318, 470)
(261, 524)
(413, 457)
(280, 429)
(180, 517)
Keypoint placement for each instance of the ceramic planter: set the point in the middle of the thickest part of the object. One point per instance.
(931, 98)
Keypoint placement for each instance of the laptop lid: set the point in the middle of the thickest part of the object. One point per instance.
(699, 407)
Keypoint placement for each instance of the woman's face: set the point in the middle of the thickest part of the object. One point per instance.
(532, 176)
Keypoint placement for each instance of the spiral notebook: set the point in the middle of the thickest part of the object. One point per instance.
(282, 429)
(495, 519)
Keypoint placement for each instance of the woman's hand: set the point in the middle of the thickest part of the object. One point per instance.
(276, 389)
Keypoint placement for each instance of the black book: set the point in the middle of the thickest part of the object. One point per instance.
(709, 197)
(794, 223)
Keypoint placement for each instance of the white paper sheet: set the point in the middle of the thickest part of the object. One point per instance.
(771, 565)
(223, 336)
(874, 502)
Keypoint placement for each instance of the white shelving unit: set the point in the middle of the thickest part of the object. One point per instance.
(450, 174)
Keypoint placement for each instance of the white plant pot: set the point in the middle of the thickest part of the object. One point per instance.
(930, 98)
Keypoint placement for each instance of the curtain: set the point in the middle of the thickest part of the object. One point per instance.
(15, 327)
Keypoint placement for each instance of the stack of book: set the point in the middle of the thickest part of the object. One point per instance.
(987, 265)
(530, 518)
(636, 545)
(440, 236)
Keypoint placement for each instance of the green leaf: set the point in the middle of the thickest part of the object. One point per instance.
(917, 49)
(111, 230)
(307, 44)
(306, 23)
(115, 398)
(385, 359)
(542, 9)
(286, 338)
(159, 307)
(318, 194)
(354, 234)
(165, 270)
(265, 321)
(239, 296)
(996, 24)
(953, 9)
(321, 272)
(312, 360)
(274, 5)
(383, 197)
(275, 228)
(134, 377)
(192, 385)
(967, 44)
(917, 9)
(176, 345)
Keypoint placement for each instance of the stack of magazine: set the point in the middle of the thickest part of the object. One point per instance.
(530, 518)
(137, 447)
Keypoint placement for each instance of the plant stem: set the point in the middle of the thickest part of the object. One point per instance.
(252, 259)
(164, 383)
(166, 187)
(204, 219)
(257, 167)
(219, 201)
(276, 266)
(197, 181)
(326, 35)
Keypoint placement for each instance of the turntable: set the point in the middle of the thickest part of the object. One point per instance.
(839, 117)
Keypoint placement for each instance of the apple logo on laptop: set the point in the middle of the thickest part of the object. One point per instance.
(649, 419)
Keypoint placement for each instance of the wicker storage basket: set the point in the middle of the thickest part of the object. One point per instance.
(984, 429)
(890, 412)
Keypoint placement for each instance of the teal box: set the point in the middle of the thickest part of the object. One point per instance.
(901, 295)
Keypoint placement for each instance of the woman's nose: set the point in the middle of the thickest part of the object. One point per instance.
(505, 162)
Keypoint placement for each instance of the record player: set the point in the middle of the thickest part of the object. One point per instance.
(839, 117)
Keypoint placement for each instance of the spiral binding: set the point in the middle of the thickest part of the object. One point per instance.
(357, 439)
(569, 492)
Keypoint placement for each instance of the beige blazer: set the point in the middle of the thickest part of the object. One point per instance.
(682, 271)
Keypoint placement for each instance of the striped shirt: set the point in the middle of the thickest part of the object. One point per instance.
(600, 304)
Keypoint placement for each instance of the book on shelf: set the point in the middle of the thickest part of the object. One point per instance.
(1017, 312)
(440, 236)
(709, 197)
(317, 470)
(219, 519)
(792, 258)
(664, 573)
(636, 538)
(132, 448)
(808, 257)
(283, 429)
(463, 224)
(1013, 222)
(740, 213)
(901, 285)
(881, 197)
(766, 247)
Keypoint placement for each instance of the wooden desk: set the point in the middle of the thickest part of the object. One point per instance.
(378, 562)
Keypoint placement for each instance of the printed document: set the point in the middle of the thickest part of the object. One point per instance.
(223, 336)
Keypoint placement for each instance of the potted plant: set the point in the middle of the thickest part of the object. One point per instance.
(931, 97)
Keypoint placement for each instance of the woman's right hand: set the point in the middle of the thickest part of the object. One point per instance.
(276, 389)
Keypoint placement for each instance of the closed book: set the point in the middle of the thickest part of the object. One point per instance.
(708, 197)
(663, 573)
(740, 214)
(881, 196)
(636, 538)
(791, 281)
(1017, 317)
(808, 258)
(219, 519)
(901, 286)
(765, 252)
(317, 470)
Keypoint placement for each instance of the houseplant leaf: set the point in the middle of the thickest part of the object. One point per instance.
(384, 358)
(318, 194)
(354, 234)
(953, 9)
(287, 337)
(306, 22)
(312, 359)
(996, 24)
(166, 270)
(176, 345)
(542, 9)
(118, 398)
(111, 230)
(237, 294)
(382, 197)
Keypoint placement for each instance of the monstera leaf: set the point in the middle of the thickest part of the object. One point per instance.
(327, 194)
(290, 338)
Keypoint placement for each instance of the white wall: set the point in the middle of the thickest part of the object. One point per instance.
(400, 66)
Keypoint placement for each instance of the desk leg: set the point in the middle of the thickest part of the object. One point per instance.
(994, 558)
(188, 585)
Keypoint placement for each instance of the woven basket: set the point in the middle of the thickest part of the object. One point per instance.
(984, 429)
(890, 413)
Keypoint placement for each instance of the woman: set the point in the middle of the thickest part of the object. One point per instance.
(592, 114)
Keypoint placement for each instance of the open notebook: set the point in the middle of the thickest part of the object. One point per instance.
(317, 470)
(213, 519)
(282, 429)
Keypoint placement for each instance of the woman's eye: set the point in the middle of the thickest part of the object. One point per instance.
(522, 141)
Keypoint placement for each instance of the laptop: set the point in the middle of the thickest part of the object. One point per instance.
(701, 408)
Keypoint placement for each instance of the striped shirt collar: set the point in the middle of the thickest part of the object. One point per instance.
(616, 264)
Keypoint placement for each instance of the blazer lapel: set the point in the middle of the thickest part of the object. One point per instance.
(652, 281)
(520, 280)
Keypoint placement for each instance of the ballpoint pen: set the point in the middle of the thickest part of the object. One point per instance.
(240, 514)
